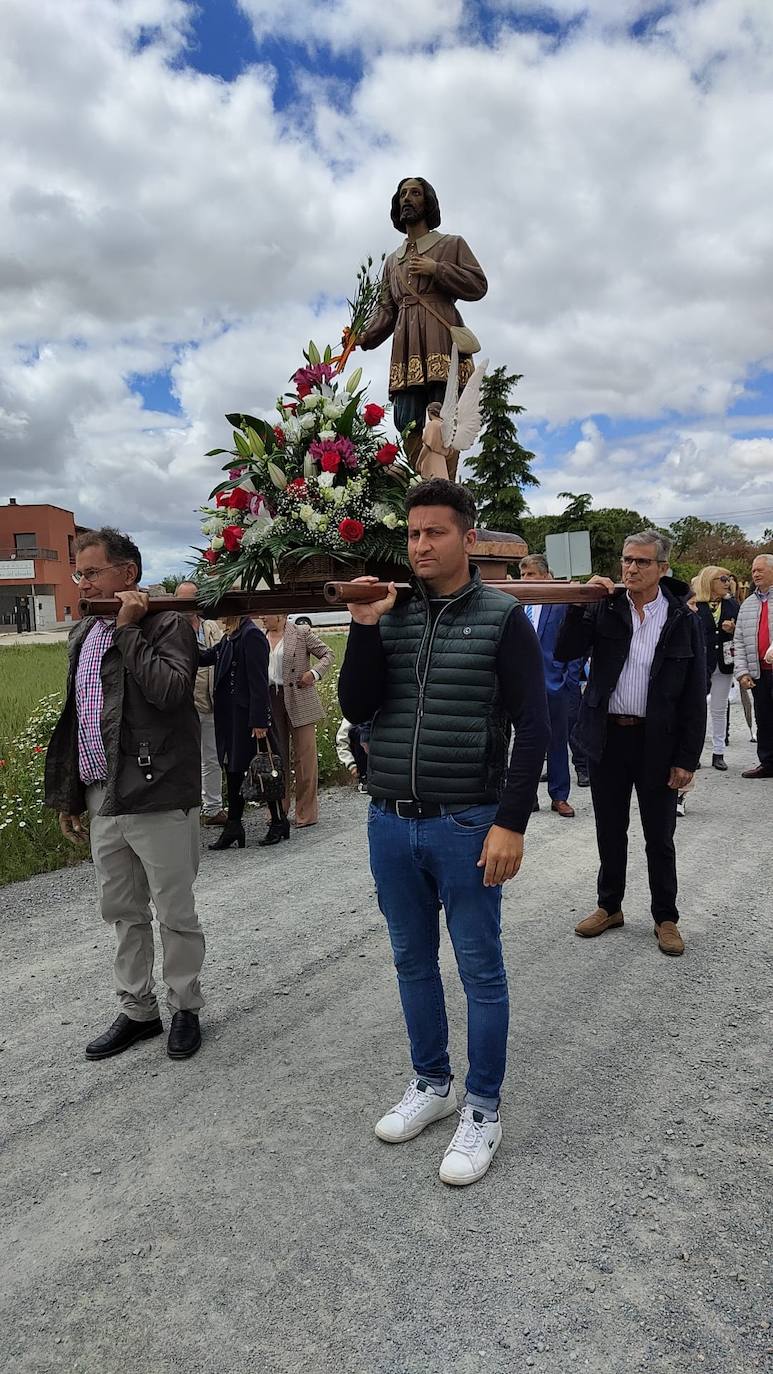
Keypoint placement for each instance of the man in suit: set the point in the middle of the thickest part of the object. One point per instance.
(560, 680)
(642, 723)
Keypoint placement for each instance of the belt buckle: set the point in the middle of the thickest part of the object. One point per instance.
(412, 812)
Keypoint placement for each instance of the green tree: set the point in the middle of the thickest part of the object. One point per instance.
(608, 528)
(171, 582)
(503, 467)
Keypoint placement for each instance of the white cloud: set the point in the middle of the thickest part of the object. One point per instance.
(616, 192)
(350, 24)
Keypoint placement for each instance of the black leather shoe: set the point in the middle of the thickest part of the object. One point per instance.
(123, 1033)
(718, 762)
(535, 804)
(582, 778)
(184, 1035)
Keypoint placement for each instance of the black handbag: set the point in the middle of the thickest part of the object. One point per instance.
(264, 780)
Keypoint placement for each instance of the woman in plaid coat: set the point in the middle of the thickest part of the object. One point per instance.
(296, 706)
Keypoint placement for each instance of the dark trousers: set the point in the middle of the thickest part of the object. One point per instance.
(558, 749)
(763, 710)
(358, 753)
(575, 700)
(612, 780)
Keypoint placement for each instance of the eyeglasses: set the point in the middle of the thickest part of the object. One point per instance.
(723, 579)
(629, 562)
(91, 573)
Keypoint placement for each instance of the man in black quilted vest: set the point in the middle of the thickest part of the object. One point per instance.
(445, 675)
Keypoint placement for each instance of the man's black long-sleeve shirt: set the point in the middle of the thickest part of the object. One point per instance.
(362, 688)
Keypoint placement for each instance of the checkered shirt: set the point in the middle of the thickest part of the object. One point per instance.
(92, 760)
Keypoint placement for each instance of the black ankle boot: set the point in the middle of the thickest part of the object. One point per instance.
(278, 830)
(232, 833)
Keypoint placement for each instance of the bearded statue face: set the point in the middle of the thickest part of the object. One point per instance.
(413, 201)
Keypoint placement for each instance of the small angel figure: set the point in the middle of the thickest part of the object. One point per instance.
(453, 426)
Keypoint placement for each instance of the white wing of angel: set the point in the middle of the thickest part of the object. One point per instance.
(460, 415)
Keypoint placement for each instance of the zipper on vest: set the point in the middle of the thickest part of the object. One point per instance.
(423, 679)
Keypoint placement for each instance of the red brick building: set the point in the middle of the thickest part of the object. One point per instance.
(36, 563)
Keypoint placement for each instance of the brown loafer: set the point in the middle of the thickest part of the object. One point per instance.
(760, 772)
(562, 807)
(598, 922)
(668, 938)
(219, 818)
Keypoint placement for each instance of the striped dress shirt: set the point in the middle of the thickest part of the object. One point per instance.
(92, 760)
(630, 695)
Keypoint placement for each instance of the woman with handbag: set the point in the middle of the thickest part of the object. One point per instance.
(296, 707)
(242, 717)
(717, 610)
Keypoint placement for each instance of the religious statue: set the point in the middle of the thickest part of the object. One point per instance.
(422, 281)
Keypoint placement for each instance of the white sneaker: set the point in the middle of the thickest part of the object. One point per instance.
(476, 1141)
(681, 809)
(420, 1106)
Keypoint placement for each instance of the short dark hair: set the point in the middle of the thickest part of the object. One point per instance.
(431, 204)
(438, 491)
(119, 548)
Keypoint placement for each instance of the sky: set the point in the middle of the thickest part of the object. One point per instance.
(189, 190)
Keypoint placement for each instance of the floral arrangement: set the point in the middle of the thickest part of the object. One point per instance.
(323, 479)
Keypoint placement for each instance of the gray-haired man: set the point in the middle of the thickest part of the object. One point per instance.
(642, 723)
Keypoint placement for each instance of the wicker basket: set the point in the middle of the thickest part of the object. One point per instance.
(324, 567)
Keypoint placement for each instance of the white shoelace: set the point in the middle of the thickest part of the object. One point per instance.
(412, 1100)
(469, 1134)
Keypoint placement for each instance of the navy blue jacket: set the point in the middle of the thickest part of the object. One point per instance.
(558, 674)
(675, 723)
(241, 693)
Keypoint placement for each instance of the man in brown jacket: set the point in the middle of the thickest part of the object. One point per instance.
(126, 749)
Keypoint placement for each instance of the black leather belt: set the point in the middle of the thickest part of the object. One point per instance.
(626, 720)
(413, 810)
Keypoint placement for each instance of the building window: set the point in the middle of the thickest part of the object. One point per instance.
(24, 542)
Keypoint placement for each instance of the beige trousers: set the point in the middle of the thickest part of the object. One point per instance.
(139, 859)
(304, 749)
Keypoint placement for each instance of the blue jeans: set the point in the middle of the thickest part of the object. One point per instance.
(419, 866)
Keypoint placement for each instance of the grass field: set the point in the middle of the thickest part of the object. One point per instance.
(32, 680)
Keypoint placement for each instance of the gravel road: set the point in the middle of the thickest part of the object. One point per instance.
(236, 1213)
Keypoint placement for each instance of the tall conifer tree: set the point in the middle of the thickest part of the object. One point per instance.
(503, 467)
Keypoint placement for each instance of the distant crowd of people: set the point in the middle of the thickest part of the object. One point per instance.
(453, 700)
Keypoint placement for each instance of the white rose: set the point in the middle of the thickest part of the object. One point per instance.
(218, 543)
(327, 434)
(309, 402)
(389, 520)
(307, 422)
(326, 479)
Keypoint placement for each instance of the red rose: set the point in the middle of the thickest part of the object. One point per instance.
(279, 435)
(240, 499)
(303, 389)
(387, 454)
(351, 531)
(373, 414)
(232, 538)
(331, 461)
(222, 498)
(210, 555)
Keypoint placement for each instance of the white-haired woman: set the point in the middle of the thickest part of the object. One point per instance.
(718, 611)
